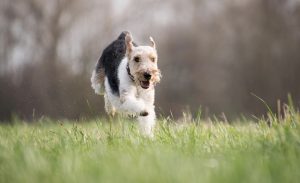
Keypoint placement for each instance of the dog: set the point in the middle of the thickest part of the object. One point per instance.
(126, 74)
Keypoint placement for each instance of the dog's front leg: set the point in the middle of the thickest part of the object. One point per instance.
(130, 103)
(147, 123)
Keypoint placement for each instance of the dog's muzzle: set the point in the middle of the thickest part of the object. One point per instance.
(145, 83)
(147, 76)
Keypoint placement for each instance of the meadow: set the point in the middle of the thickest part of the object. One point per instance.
(197, 150)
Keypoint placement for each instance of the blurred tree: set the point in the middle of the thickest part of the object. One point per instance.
(212, 53)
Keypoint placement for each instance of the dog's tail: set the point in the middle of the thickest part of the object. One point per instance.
(123, 35)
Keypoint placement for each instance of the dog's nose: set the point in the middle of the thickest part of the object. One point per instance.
(147, 76)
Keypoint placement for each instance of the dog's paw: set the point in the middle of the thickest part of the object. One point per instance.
(144, 113)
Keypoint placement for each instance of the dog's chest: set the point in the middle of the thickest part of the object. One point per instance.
(146, 95)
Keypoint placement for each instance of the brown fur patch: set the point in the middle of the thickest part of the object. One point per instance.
(156, 75)
(100, 75)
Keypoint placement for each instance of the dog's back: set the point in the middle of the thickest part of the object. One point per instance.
(108, 65)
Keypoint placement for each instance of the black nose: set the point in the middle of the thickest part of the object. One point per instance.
(147, 76)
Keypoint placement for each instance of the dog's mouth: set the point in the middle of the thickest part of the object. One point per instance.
(145, 84)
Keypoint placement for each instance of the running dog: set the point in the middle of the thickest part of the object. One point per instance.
(126, 75)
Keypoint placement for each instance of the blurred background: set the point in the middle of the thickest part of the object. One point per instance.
(213, 54)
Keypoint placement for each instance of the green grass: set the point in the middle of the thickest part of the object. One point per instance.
(51, 151)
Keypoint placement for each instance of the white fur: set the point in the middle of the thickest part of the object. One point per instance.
(132, 100)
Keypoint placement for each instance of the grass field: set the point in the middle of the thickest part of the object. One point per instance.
(200, 151)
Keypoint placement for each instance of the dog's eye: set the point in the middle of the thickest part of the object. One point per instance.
(136, 59)
(152, 59)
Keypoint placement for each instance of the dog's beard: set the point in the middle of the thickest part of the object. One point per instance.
(156, 75)
(144, 83)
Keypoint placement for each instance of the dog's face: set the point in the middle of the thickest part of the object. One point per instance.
(143, 63)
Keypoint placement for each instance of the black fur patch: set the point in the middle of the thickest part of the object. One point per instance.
(110, 60)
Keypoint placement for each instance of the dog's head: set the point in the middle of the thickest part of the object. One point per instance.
(142, 63)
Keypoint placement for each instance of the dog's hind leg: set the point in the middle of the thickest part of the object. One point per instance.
(109, 108)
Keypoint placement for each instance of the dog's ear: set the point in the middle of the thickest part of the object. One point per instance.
(129, 44)
(152, 42)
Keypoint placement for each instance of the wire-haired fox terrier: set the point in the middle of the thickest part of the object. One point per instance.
(126, 75)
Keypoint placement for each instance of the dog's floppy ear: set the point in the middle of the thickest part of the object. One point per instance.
(152, 42)
(129, 44)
